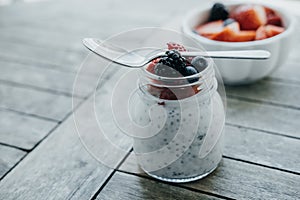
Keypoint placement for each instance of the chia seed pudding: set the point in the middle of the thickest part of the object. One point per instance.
(188, 145)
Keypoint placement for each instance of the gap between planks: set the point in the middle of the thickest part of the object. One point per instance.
(111, 175)
(263, 131)
(175, 185)
(47, 135)
(40, 89)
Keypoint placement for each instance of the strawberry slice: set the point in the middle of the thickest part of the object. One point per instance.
(235, 26)
(250, 17)
(244, 36)
(150, 67)
(272, 17)
(175, 46)
(272, 30)
(274, 20)
(261, 33)
(210, 29)
(269, 11)
(229, 35)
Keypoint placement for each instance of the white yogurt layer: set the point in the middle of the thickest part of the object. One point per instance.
(173, 154)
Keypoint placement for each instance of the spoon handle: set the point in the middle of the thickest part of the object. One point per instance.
(241, 54)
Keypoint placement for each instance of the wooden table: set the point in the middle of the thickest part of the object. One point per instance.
(41, 156)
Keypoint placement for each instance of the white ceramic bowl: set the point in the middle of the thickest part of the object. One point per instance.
(235, 72)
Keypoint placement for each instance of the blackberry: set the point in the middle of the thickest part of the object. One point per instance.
(174, 65)
(218, 12)
(170, 65)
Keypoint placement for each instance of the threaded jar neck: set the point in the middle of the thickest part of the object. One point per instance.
(176, 88)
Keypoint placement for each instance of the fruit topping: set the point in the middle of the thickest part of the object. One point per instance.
(234, 26)
(230, 34)
(261, 33)
(175, 46)
(210, 29)
(247, 22)
(228, 21)
(172, 64)
(272, 17)
(151, 66)
(250, 17)
(274, 20)
(174, 60)
(165, 70)
(200, 63)
(218, 12)
(189, 71)
(273, 30)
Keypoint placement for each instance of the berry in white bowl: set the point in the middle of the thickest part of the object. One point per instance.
(242, 26)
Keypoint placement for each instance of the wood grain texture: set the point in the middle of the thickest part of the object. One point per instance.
(259, 147)
(60, 167)
(129, 187)
(264, 117)
(84, 17)
(39, 103)
(22, 131)
(62, 57)
(67, 165)
(8, 158)
(289, 72)
(44, 78)
(269, 91)
(239, 180)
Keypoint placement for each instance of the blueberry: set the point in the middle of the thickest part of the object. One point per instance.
(200, 63)
(189, 71)
(218, 12)
(228, 21)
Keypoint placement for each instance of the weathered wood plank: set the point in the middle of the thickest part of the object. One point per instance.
(290, 71)
(269, 91)
(41, 15)
(129, 187)
(44, 78)
(266, 149)
(8, 158)
(41, 38)
(60, 167)
(240, 180)
(22, 131)
(34, 102)
(243, 144)
(19, 59)
(59, 57)
(264, 117)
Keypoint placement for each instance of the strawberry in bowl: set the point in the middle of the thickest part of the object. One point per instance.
(242, 26)
(243, 23)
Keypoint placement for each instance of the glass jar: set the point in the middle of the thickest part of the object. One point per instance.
(183, 122)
